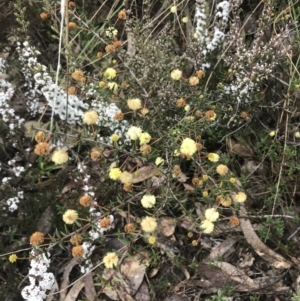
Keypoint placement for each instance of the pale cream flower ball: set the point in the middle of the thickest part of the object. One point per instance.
(148, 201)
(188, 147)
(176, 74)
(59, 156)
(90, 117)
(134, 104)
(134, 132)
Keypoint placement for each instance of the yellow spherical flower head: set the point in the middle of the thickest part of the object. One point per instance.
(126, 177)
(207, 226)
(59, 156)
(90, 117)
(184, 19)
(173, 9)
(113, 87)
(213, 157)
(144, 138)
(152, 240)
(149, 224)
(110, 260)
(13, 258)
(102, 84)
(134, 132)
(239, 197)
(115, 173)
(111, 32)
(232, 180)
(159, 161)
(193, 81)
(148, 201)
(211, 214)
(115, 137)
(297, 134)
(134, 104)
(70, 216)
(188, 147)
(222, 169)
(176, 74)
(77, 251)
(272, 133)
(110, 73)
(42, 149)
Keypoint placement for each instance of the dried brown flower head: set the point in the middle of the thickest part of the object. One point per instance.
(129, 228)
(122, 15)
(210, 115)
(72, 25)
(76, 240)
(180, 102)
(37, 238)
(72, 90)
(144, 111)
(234, 221)
(77, 251)
(195, 181)
(119, 116)
(96, 154)
(99, 55)
(127, 187)
(145, 149)
(78, 76)
(85, 200)
(193, 80)
(110, 48)
(43, 16)
(42, 149)
(199, 146)
(244, 114)
(39, 136)
(117, 44)
(200, 74)
(224, 201)
(105, 223)
(71, 5)
(176, 170)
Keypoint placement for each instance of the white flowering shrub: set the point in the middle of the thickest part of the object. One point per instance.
(152, 136)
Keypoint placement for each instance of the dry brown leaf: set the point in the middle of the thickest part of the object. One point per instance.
(188, 187)
(258, 246)
(219, 250)
(143, 293)
(144, 173)
(75, 290)
(166, 226)
(133, 268)
(65, 279)
(238, 148)
(89, 287)
(128, 280)
(181, 177)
